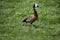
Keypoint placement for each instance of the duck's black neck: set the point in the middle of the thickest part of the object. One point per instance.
(35, 12)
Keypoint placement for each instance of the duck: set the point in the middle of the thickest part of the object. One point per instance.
(32, 18)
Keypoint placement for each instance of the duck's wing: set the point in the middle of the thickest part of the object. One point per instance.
(30, 19)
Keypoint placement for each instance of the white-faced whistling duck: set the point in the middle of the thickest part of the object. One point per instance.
(33, 17)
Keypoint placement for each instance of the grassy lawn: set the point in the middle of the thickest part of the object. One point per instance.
(12, 13)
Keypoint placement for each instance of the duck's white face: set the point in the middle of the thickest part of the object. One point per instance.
(36, 5)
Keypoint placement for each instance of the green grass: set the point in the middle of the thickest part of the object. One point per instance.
(12, 13)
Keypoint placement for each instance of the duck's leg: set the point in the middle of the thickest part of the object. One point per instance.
(33, 25)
